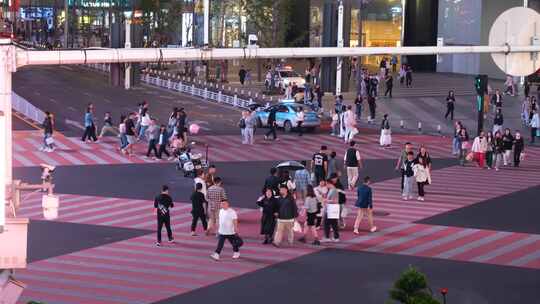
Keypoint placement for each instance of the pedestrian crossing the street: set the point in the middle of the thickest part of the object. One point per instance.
(72, 151)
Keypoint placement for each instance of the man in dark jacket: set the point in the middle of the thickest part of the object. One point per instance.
(271, 124)
(272, 181)
(163, 202)
(242, 75)
(47, 133)
(286, 215)
(364, 203)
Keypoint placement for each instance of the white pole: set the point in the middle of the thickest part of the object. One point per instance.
(339, 65)
(59, 57)
(206, 21)
(7, 66)
(127, 77)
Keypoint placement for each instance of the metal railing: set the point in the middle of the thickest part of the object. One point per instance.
(24, 107)
(191, 89)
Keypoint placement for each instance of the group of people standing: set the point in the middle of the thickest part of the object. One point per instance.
(488, 149)
(313, 199)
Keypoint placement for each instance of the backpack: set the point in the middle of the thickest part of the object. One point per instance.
(242, 123)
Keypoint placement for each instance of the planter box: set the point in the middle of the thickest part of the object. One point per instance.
(14, 242)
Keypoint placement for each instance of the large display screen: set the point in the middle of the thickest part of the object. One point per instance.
(29, 13)
(459, 21)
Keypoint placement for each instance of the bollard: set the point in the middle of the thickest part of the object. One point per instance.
(256, 95)
(229, 89)
(219, 97)
(242, 92)
(419, 126)
(235, 100)
(192, 89)
(205, 93)
(168, 84)
(251, 101)
(401, 124)
(249, 93)
(439, 129)
(271, 98)
(236, 90)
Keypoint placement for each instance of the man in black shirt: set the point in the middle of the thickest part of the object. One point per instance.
(130, 134)
(319, 164)
(198, 205)
(163, 202)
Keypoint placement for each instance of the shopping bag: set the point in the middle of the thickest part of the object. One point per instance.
(522, 156)
(49, 140)
(470, 156)
(297, 227)
(238, 241)
(332, 211)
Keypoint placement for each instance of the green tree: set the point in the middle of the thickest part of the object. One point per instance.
(412, 288)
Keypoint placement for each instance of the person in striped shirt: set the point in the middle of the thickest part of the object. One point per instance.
(215, 194)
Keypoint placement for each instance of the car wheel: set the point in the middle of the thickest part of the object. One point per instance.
(287, 125)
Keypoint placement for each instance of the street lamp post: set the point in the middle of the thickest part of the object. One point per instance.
(339, 65)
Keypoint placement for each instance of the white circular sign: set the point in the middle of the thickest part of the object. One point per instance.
(516, 27)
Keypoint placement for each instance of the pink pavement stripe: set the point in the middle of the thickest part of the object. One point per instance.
(24, 144)
(84, 157)
(58, 158)
(190, 260)
(533, 264)
(19, 160)
(36, 209)
(377, 239)
(65, 216)
(147, 219)
(481, 250)
(124, 271)
(423, 231)
(199, 263)
(111, 156)
(93, 156)
(509, 257)
(70, 157)
(109, 209)
(49, 296)
(517, 245)
(218, 154)
(170, 253)
(101, 287)
(433, 252)
(144, 212)
(43, 157)
(421, 240)
(38, 274)
(76, 143)
(89, 292)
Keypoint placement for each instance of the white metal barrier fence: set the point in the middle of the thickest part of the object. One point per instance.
(27, 109)
(191, 89)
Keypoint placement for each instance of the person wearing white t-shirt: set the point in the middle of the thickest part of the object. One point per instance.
(300, 120)
(201, 176)
(145, 123)
(228, 230)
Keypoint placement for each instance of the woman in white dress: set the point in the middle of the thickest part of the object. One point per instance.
(386, 133)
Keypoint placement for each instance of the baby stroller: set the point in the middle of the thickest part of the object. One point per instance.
(190, 163)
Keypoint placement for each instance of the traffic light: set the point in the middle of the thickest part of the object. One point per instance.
(481, 84)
